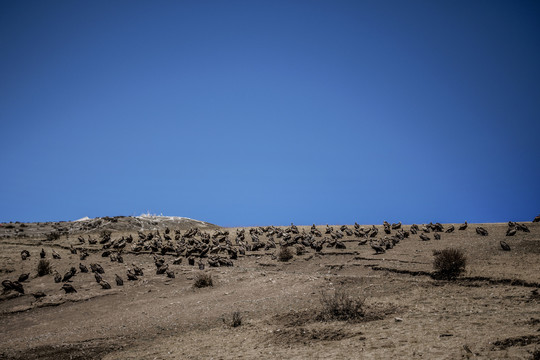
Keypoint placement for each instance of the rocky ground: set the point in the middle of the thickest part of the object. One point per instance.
(489, 312)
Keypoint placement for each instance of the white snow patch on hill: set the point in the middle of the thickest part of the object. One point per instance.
(162, 217)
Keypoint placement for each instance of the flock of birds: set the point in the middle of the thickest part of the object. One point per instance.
(218, 248)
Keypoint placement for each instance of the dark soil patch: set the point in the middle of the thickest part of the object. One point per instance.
(94, 349)
(517, 341)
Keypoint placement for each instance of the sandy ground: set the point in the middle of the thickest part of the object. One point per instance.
(491, 312)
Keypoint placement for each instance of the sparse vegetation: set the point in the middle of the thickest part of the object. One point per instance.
(342, 305)
(203, 280)
(449, 263)
(535, 354)
(55, 235)
(285, 254)
(44, 267)
(236, 319)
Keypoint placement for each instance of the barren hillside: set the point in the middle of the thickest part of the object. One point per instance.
(490, 311)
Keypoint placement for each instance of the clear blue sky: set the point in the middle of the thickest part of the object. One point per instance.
(270, 112)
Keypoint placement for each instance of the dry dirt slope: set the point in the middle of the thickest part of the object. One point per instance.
(492, 312)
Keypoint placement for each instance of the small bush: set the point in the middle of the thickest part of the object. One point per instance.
(341, 305)
(285, 254)
(203, 280)
(449, 263)
(44, 267)
(55, 235)
(236, 319)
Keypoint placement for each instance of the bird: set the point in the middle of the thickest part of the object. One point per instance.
(511, 232)
(69, 274)
(424, 237)
(170, 274)
(505, 246)
(57, 277)
(83, 268)
(520, 227)
(56, 255)
(13, 285)
(105, 285)
(536, 219)
(25, 254)
(437, 236)
(17, 286)
(481, 231)
(42, 253)
(131, 276)
(463, 226)
(450, 229)
(83, 255)
(24, 277)
(161, 270)
(137, 270)
(119, 280)
(68, 288)
(39, 294)
(7, 284)
(378, 249)
(98, 277)
(96, 268)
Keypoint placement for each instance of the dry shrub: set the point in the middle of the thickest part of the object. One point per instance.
(203, 280)
(449, 263)
(44, 267)
(285, 254)
(236, 319)
(343, 305)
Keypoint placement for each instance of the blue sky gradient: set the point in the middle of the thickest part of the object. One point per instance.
(271, 112)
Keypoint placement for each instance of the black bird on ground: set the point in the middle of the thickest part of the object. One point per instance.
(505, 246)
(105, 285)
(68, 288)
(13, 285)
(25, 254)
(39, 294)
(463, 226)
(69, 274)
(481, 231)
(378, 249)
(119, 280)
